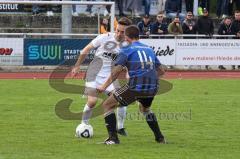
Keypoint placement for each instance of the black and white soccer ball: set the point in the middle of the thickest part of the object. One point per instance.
(84, 131)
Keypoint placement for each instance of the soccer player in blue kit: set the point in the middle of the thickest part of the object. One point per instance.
(144, 70)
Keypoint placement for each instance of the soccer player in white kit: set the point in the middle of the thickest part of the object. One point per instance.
(108, 47)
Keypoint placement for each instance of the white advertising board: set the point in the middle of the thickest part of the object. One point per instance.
(208, 52)
(11, 51)
(164, 49)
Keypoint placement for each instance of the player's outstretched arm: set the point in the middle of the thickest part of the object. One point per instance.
(114, 75)
(81, 58)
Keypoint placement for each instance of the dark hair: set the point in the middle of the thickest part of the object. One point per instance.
(160, 12)
(124, 21)
(132, 32)
(236, 11)
(227, 18)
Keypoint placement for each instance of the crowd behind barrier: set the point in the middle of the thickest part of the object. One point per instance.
(202, 25)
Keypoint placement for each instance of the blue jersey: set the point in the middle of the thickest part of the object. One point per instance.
(141, 62)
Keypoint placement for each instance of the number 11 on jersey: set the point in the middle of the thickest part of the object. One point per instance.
(145, 62)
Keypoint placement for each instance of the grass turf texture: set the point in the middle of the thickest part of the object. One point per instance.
(30, 129)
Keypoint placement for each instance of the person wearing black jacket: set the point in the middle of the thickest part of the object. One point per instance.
(189, 24)
(159, 27)
(236, 24)
(236, 28)
(144, 26)
(205, 24)
(225, 29)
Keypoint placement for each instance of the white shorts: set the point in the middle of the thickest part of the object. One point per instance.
(92, 85)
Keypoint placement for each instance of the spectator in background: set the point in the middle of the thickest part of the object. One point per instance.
(74, 9)
(189, 24)
(120, 7)
(231, 6)
(49, 9)
(205, 24)
(236, 24)
(134, 6)
(35, 9)
(89, 9)
(175, 27)
(225, 29)
(161, 5)
(222, 8)
(173, 8)
(108, 8)
(147, 6)
(159, 27)
(189, 5)
(204, 4)
(104, 25)
(115, 23)
(144, 26)
(236, 28)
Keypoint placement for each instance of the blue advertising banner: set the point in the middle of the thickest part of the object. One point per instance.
(52, 51)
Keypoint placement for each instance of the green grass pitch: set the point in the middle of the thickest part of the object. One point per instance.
(200, 119)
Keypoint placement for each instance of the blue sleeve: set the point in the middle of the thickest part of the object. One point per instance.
(157, 62)
(121, 59)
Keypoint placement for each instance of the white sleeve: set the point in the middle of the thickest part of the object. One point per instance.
(98, 40)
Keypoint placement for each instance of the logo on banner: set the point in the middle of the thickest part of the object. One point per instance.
(6, 51)
(44, 52)
(163, 52)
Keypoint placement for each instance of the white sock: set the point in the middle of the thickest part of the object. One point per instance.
(121, 115)
(87, 113)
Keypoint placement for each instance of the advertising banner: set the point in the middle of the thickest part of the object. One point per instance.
(11, 51)
(208, 52)
(52, 51)
(168, 51)
(164, 49)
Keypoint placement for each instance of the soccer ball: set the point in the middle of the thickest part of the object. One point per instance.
(84, 131)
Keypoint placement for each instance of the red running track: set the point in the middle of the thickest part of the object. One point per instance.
(168, 75)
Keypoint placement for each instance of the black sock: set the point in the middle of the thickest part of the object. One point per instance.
(153, 124)
(110, 121)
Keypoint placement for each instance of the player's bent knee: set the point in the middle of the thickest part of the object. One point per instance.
(143, 109)
(92, 102)
(109, 104)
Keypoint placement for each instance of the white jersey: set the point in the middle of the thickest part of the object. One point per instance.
(107, 50)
